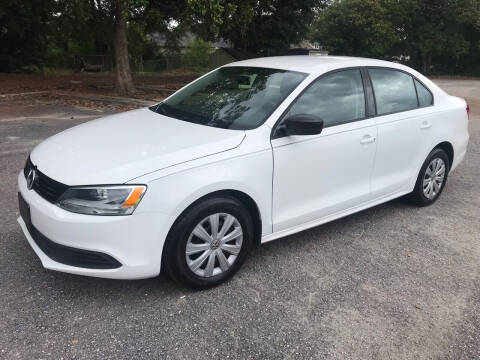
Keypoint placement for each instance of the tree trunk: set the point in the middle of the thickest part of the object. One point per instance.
(426, 63)
(429, 63)
(94, 24)
(123, 76)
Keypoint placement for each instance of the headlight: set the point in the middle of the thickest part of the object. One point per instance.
(102, 200)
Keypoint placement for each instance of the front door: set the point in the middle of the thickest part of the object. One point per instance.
(320, 175)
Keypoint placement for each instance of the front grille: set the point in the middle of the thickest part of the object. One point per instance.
(44, 186)
(65, 254)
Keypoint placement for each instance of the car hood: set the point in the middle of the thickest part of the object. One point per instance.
(121, 147)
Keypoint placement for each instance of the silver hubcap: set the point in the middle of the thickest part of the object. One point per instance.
(433, 179)
(214, 245)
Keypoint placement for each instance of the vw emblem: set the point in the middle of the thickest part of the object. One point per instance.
(215, 244)
(31, 178)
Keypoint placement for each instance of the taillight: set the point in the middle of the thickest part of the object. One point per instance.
(468, 111)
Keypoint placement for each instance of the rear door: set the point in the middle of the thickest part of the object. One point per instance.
(402, 128)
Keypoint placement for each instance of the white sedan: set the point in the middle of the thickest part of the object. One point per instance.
(248, 153)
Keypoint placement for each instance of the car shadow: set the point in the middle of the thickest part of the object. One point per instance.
(319, 232)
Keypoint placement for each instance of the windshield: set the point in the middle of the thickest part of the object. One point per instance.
(239, 98)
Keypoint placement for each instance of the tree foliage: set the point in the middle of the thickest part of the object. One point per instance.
(197, 54)
(423, 32)
(24, 30)
(431, 35)
(360, 27)
(433, 29)
(265, 27)
(83, 26)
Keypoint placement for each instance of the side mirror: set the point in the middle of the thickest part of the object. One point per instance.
(303, 124)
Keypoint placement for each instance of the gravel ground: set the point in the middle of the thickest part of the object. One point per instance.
(393, 281)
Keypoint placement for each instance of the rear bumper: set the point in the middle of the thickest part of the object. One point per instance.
(460, 151)
(134, 242)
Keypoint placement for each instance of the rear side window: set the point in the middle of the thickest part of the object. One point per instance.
(394, 90)
(425, 97)
(335, 98)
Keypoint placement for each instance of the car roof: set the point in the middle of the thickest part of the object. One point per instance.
(312, 64)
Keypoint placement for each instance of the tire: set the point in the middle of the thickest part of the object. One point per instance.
(180, 265)
(420, 197)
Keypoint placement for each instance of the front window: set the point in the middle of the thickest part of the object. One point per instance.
(239, 98)
(335, 98)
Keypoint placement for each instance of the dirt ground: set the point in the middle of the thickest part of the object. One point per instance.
(101, 83)
(86, 90)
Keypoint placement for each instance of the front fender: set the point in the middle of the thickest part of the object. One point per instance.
(250, 174)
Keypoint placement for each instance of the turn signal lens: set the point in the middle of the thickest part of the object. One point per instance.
(134, 197)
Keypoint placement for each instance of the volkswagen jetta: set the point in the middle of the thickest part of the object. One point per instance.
(250, 152)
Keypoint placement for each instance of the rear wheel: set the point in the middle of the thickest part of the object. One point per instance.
(209, 243)
(431, 179)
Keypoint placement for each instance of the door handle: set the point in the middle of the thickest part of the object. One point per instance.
(367, 139)
(425, 124)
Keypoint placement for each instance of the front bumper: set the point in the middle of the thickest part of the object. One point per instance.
(135, 241)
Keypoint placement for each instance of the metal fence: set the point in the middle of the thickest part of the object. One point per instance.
(158, 65)
(103, 63)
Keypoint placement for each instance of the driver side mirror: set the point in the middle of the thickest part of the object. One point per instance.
(303, 124)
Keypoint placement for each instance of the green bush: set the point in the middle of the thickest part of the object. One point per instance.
(197, 55)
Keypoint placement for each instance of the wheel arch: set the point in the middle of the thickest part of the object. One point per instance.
(241, 196)
(448, 148)
(245, 199)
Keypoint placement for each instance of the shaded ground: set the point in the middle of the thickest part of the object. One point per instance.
(393, 281)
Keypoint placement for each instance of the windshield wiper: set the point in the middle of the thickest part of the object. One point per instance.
(161, 109)
(220, 123)
(171, 111)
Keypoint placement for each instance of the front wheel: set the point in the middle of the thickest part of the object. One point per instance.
(209, 242)
(431, 179)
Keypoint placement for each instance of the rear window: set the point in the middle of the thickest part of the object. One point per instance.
(394, 91)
